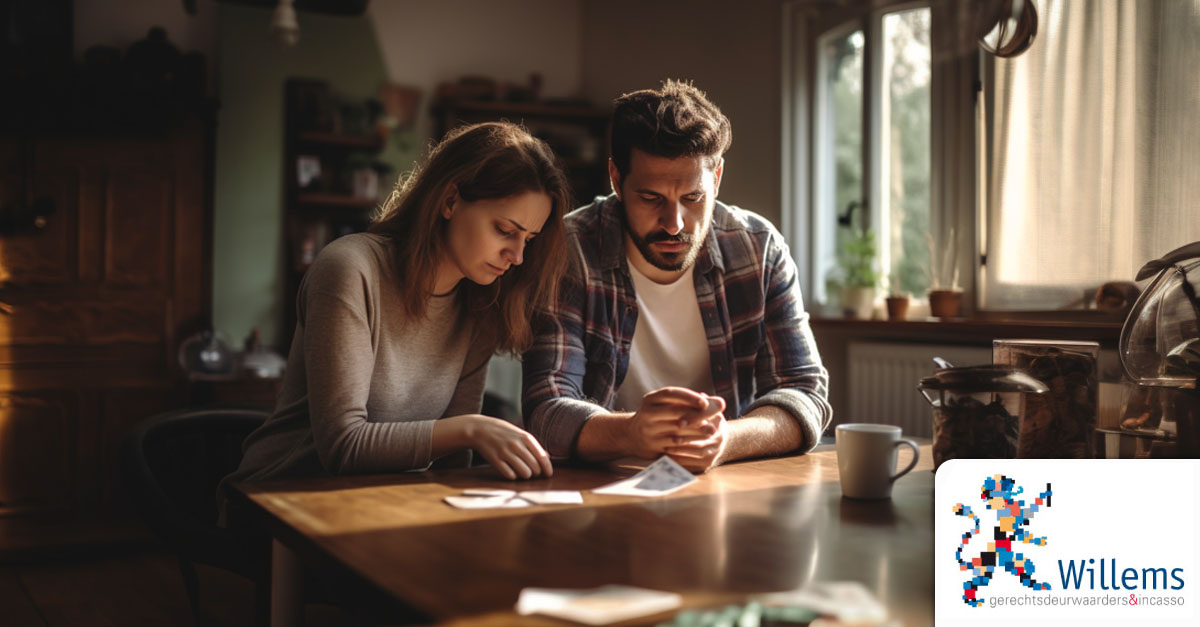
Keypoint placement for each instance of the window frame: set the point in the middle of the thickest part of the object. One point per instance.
(955, 205)
(824, 169)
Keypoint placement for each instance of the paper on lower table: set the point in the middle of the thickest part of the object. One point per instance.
(596, 606)
(827, 603)
(848, 601)
(663, 476)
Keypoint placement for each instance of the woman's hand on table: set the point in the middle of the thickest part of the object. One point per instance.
(511, 450)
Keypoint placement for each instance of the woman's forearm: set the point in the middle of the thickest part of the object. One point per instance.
(451, 434)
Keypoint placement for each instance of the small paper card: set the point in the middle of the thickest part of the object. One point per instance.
(552, 497)
(484, 498)
(485, 502)
(597, 606)
(663, 476)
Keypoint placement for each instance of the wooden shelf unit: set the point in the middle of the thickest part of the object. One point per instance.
(324, 207)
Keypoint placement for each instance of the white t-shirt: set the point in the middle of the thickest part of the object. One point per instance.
(670, 346)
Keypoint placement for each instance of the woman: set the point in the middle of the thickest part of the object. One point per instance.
(395, 326)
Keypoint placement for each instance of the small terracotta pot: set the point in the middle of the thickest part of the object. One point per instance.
(897, 307)
(945, 303)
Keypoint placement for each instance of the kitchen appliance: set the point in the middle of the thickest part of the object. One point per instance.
(1160, 346)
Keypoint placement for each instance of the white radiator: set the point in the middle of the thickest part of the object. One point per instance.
(884, 376)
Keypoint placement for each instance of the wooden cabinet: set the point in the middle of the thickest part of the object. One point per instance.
(577, 134)
(331, 183)
(94, 299)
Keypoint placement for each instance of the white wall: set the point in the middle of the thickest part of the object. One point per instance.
(426, 42)
(731, 50)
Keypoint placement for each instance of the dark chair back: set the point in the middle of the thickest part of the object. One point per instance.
(497, 406)
(172, 463)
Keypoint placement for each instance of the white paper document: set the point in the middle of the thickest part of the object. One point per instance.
(663, 476)
(485, 498)
(597, 606)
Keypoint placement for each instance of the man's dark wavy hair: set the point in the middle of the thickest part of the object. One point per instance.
(675, 121)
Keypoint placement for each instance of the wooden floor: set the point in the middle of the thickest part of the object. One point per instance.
(136, 587)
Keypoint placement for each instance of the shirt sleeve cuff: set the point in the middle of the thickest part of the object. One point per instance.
(422, 453)
(812, 414)
(556, 424)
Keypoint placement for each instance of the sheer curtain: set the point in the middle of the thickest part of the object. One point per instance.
(1094, 164)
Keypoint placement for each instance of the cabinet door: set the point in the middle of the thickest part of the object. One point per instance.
(37, 450)
(94, 301)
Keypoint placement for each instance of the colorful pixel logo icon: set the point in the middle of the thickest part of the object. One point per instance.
(999, 494)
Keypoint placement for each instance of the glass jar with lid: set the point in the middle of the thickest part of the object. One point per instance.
(977, 410)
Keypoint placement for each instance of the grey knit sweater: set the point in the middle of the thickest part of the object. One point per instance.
(364, 385)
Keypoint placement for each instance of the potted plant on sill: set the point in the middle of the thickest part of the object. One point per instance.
(860, 279)
(945, 296)
(897, 300)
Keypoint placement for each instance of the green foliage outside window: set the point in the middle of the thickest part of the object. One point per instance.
(909, 125)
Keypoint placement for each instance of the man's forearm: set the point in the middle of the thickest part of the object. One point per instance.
(604, 437)
(557, 423)
(766, 430)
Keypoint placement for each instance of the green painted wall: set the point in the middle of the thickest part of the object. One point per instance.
(248, 242)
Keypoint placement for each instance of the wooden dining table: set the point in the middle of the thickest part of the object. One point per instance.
(744, 528)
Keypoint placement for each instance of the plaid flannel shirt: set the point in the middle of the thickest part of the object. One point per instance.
(761, 348)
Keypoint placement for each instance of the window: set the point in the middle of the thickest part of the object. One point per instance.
(870, 149)
(1091, 158)
(1033, 179)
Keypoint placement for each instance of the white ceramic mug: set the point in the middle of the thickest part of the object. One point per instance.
(866, 455)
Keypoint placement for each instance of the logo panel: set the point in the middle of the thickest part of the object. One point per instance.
(1066, 541)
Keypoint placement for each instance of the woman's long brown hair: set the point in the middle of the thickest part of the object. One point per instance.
(483, 161)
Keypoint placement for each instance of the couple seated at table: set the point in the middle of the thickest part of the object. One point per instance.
(655, 321)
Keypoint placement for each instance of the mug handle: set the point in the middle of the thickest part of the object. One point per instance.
(916, 456)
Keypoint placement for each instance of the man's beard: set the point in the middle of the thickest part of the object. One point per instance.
(671, 262)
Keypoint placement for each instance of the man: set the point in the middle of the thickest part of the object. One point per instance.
(680, 328)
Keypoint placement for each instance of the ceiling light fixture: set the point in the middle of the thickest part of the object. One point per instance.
(284, 27)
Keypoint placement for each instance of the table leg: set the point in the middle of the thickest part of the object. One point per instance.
(287, 587)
